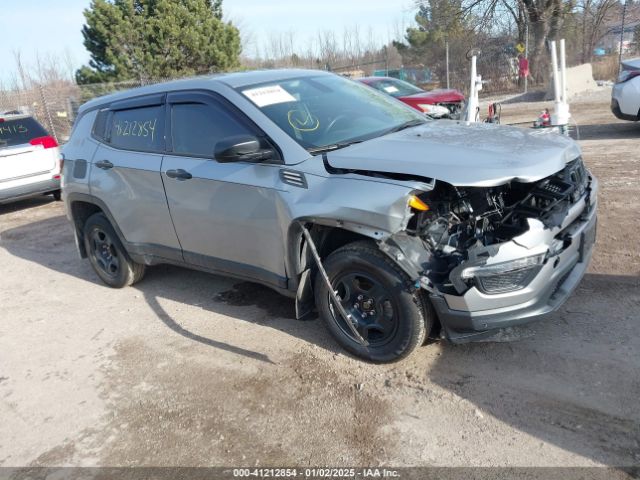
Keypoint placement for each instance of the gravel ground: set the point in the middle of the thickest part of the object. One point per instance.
(192, 369)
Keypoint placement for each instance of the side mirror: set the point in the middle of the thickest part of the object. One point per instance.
(246, 148)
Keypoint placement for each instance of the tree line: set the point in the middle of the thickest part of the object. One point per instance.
(465, 24)
(151, 39)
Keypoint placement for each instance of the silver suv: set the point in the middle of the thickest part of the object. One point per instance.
(395, 227)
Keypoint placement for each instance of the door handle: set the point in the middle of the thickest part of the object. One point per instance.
(180, 174)
(104, 164)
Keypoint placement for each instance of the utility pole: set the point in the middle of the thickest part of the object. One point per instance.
(446, 48)
(526, 51)
(624, 12)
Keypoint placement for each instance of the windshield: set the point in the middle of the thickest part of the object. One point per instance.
(329, 111)
(396, 88)
(18, 131)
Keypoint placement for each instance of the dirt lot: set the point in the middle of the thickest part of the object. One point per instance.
(192, 369)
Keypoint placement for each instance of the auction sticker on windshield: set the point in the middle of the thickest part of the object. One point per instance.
(264, 96)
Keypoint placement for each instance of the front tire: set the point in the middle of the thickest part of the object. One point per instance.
(108, 257)
(386, 310)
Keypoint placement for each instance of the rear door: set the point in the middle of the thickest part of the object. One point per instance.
(125, 175)
(225, 214)
(23, 152)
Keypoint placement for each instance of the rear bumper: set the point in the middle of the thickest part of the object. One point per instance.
(615, 108)
(474, 315)
(29, 190)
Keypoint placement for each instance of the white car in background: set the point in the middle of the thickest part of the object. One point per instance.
(30, 160)
(625, 97)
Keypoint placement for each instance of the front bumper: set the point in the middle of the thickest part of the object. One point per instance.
(477, 315)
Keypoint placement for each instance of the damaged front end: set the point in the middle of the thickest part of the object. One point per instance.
(492, 257)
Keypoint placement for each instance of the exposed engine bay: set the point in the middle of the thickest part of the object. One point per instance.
(460, 219)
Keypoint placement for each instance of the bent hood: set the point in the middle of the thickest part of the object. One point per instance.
(462, 154)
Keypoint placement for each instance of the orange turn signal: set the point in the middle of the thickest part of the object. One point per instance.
(417, 204)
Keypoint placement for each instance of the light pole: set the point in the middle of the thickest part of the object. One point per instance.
(526, 51)
(446, 46)
(624, 11)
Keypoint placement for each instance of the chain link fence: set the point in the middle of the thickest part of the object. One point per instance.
(498, 68)
(55, 105)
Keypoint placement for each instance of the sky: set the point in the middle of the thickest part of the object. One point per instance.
(52, 28)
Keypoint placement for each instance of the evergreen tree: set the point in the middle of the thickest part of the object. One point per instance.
(438, 21)
(141, 39)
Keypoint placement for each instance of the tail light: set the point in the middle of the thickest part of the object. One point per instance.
(46, 142)
(49, 142)
(627, 75)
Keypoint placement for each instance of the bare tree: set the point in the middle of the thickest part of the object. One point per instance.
(545, 18)
(593, 15)
(20, 68)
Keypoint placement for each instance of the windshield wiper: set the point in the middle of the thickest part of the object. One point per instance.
(405, 125)
(333, 146)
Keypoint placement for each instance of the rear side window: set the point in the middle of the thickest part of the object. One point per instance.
(137, 129)
(19, 131)
(100, 125)
(197, 127)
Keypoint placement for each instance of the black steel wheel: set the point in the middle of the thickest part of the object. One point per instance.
(386, 311)
(372, 308)
(103, 252)
(107, 255)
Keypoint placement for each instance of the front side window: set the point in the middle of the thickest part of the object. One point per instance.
(197, 127)
(138, 129)
(328, 110)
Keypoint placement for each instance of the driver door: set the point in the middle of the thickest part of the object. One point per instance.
(225, 214)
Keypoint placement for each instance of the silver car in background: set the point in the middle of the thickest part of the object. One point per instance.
(392, 227)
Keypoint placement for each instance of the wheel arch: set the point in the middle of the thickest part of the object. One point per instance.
(81, 207)
(328, 236)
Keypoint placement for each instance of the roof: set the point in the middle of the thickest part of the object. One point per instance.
(629, 27)
(233, 80)
(14, 116)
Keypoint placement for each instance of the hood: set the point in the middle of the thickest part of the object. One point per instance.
(436, 96)
(462, 154)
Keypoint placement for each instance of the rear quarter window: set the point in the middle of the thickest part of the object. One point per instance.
(19, 131)
(137, 129)
(100, 125)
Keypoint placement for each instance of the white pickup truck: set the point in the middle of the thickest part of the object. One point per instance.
(30, 160)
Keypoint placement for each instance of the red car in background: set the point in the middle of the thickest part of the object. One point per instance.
(426, 102)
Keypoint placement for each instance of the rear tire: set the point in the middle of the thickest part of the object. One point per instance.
(390, 314)
(108, 257)
(57, 195)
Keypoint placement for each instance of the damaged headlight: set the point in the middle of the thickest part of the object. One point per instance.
(435, 111)
(505, 276)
